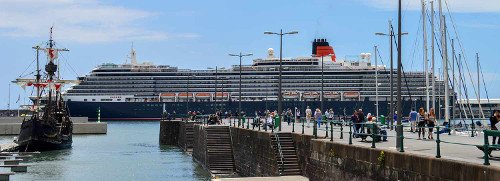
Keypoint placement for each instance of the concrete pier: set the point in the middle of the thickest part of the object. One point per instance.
(12, 126)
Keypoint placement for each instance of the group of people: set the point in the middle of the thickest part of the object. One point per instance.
(421, 120)
(494, 119)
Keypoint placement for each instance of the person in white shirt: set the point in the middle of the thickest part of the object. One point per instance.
(308, 116)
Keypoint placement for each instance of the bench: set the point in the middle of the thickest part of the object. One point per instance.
(487, 148)
(4, 176)
(17, 168)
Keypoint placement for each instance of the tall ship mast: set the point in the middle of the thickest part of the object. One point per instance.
(138, 91)
(49, 127)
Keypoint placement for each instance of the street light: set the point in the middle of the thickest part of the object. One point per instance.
(239, 94)
(280, 96)
(187, 92)
(322, 79)
(391, 81)
(215, 94)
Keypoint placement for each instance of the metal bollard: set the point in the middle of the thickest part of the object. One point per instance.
(373, 136)
(315, 129)
(472, 126)
(438, 147)
(272, 128)
(341, 131)
(402, 149)
(303, 127)
(293, 126)
(327, 130)
(350, 133)
(331, 131)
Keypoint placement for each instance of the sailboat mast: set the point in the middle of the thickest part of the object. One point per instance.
(376, 79)
(446, 76)
(481, 113)
(426, 63)
(433, 69)
(453, 78)
(445, 62)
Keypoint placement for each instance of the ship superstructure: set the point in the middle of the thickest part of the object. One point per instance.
(143, 90)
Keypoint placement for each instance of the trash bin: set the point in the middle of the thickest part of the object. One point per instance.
(382, 119)
(277, 122)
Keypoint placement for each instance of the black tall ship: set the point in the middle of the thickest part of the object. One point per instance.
(49, 127)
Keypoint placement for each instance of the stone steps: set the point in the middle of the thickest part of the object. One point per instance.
(287, 161)
(219, 150)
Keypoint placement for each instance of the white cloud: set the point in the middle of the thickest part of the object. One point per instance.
(84, 21)
(462, 6)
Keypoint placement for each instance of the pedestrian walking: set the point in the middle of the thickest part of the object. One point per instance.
(308, 116)
(413, 119)
(318, 115)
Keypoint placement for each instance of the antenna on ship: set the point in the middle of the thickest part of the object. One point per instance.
(133, 59)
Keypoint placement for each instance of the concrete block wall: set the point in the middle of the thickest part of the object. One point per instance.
(169, 132)
(253, 153)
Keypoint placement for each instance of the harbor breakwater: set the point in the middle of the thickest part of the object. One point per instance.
(321, 159)
(81, 125)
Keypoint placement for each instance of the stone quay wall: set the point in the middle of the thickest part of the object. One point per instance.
(200, 145)
(253, 153)
(169, 132)
(326, 160)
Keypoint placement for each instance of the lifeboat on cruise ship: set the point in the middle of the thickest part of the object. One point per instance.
(202, 95)
(221, 95)
(167, 95)
(291, 95)
(311, 95)
(183, 95)
(351, 95)
(332, 95)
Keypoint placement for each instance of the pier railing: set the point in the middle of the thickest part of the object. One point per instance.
(375, 130)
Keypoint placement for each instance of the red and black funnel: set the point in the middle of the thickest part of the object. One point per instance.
(321, 47)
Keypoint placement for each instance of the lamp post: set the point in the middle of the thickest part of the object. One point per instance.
(239, 94)
(322, 79)
(391, 78)
(187, 92)
(215, 89)
(280, 96)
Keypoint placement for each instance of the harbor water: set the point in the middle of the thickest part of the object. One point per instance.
(130, 151)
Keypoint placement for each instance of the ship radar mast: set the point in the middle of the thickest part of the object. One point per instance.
(133, 58)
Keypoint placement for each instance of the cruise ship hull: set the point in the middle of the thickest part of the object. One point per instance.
(153, 110)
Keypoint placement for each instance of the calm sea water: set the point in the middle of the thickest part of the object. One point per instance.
(130, 151)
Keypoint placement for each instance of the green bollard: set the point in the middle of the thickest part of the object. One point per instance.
(373, 135)
(303, 127)
(438, 147)
(402, 149)
(315, 129)
(350, 133)
(331, 131)
(341, 131)
(326, 130)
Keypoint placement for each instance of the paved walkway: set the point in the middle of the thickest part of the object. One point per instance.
(287, 178)
(412, 145)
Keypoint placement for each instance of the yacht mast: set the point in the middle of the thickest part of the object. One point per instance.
(426, 63)
(376, 80)
(433, 69)
(445, 63)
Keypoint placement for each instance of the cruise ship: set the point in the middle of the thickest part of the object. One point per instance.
(143, 91)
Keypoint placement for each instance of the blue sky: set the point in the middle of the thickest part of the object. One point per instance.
(199, 34)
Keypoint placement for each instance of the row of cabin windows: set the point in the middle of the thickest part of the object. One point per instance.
(93, 100)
